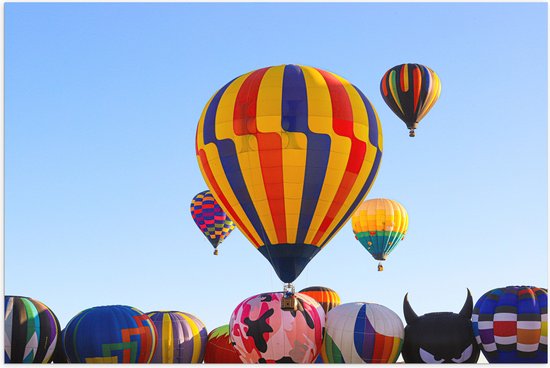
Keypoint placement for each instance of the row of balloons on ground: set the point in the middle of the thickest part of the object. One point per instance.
(378, 224)
(509, 325)
(290, 151)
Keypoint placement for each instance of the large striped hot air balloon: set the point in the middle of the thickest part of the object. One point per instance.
(31, 331)
(362, 333)
(110, 334)
(410, 90)
(379, 225)
(511, 324)
(265, 333)
(181, 337)
(219, 348)
(289, 152)
(211, 219)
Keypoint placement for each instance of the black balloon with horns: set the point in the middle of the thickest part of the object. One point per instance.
(441, 337)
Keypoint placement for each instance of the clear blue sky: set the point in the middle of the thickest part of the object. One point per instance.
(101, 106)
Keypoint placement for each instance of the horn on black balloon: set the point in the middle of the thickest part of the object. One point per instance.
(410, 316)
(466, 310)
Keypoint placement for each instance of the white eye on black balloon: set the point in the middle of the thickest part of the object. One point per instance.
(466, 354)
(429, 358)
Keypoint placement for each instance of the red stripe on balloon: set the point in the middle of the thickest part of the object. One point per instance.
(342, 123)
(417, 77)
(384, 81)
(221, 198)
(270, 149)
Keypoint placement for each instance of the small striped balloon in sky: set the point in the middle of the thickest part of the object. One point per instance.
(181, 337)
(511, 324)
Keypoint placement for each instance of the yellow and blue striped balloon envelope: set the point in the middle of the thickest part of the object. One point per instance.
(289, 152)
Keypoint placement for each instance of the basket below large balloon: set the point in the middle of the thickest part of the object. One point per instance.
(289, 152)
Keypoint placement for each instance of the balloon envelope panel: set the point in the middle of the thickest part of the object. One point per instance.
(181, 337)
(264, 333)
(110, 334)
(210, 218)
(379, 225)
(362, 333)
(289, 152)
(219, 348)
(327, 297)
(31, 331)
(511, 324)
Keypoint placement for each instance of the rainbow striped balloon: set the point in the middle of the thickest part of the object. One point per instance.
(289, 152)
(182, 337)
(210, 218)
(410, 90)
(511, 324)
(325, 296)
(362, 333)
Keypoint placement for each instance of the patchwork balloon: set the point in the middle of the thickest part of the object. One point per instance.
(31, 331)
(211, 219)
(110, 334)
(289, 152)
(362, 333)
(379, 225)
(264, 333)
(181, 338)
(219, 348)
(410, 90)
(511, 324)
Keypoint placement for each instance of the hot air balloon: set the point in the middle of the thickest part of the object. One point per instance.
(59, 355)
(325, 296)
(31, 330)
(410, 90)
(362, 333)
(265, 333)
(379, 225)
(181, 337)
(440, 337)
(511, 324)
(289, 152)
(110, 334)
(219, 348)
(211, 219)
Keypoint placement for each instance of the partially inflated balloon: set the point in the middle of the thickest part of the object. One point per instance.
(181, 337)
(110, 334)
(264, 333)
(511, 324)
(325, 296)
(362, 333)
(289, 152)
(59, 355)
(410, 90)
(31, 331)
(219, 348)
(211, 219)
(379, 225)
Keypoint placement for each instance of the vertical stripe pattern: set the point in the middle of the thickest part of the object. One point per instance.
(410, 90)
(362, 333)
(31, 331)
(510, 324)
(182, 337)
(289, 152)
